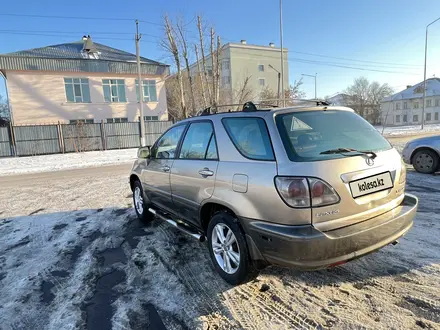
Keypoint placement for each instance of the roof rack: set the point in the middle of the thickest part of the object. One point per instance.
(251, 106)
(246, 107)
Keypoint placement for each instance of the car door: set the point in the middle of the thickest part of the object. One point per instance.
(156, 174)
(193, 171)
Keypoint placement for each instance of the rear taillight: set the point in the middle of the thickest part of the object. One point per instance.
(294, 191)
(402, 178)
(305, 192)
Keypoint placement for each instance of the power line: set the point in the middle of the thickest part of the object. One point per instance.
(70, 36)
(79, 17)
(353, 60)
(78, 32)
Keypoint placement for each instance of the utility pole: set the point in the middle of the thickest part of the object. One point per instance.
(140, 86)
(424, 75)
(282, 55)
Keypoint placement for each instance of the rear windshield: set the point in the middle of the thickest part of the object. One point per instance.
(306, 134)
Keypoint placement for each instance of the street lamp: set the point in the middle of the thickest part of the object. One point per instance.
(279, 80)
(309, 75)
(424, 76)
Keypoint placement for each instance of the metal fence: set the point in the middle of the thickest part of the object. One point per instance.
(5, 142)
(49, 139)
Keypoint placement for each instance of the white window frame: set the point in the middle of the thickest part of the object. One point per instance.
(259, 82)
(260, 66)
(405, 105)
(117, 120)
(151, 118)
(416, 104)
(397, 118)
(437, 102)
(398, 106)
(82, 120)
(82, 82)
(428, 103)
(146, 84)
(115, 98)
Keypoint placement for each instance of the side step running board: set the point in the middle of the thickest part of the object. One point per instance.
(197, 236)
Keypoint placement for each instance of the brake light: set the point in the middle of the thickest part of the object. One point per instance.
(306, 192)
(402, 178)
(294, 191)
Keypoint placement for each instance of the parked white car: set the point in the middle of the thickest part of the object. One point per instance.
(423, 154)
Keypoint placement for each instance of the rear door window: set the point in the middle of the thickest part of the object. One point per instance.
(307, 134)
(250, 137)
(197, 142)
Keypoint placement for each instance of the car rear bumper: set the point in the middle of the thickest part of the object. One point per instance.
(307, 248)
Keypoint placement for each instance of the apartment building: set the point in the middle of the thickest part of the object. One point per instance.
(260, 65)
(405, 107)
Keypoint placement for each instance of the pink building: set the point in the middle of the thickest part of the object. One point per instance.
(81, 81)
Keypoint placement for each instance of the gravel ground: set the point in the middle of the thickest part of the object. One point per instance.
(74, 256)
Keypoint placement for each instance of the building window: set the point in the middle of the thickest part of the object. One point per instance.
(149, 118)
(77, 90)
(226, 80)
(416, 105)
(405, 118)
(148, 89)
(262, 82)
(397, 118)
(261, 68)
(415, 118)
(437, 102)
(114, 90)
(405, 105)
(436, 116)
(117, 120)
(225, 65)
(397, 106)
(81, 121)
(428, 117)
(428, 103)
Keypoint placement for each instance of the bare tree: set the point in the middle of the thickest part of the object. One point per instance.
(268, 97)
(365, 97)
(294, 92)
(200, 74)
(171, 46)
(244, 92)
(217, 70)
(214, 69)
(4, 112)
(182, 37)
(202, 50)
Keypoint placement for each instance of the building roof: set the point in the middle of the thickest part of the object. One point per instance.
(80, 56)
(75, 50)
(416, 91)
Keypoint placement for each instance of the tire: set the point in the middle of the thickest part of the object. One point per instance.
(140, 206)
(425, 161)
(233, 272)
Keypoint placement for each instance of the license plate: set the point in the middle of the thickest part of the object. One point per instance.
(371, 184)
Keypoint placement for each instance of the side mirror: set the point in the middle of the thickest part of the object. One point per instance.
(144, 152)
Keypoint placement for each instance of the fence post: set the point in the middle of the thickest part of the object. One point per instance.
(60, 137)
(12, 139)
(140, 131)
(103, 137)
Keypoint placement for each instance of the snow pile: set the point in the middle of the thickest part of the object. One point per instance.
(48, 163)
(408, 130)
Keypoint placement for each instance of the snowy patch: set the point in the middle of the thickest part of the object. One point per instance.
(48, 163)
(97, 267)
(408, 130)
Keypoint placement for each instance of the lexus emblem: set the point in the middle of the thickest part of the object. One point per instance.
(369, 161)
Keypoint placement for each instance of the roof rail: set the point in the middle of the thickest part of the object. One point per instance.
(247, 107)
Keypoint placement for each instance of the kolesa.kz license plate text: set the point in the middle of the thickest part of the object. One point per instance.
(370, 185)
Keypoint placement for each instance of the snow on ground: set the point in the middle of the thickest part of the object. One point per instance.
(47, 163)
(74, 256)
(408, 130)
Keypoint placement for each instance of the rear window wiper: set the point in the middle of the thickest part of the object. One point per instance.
(369, 153)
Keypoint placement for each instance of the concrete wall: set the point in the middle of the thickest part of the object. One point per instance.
(390, 111)
(40, 97)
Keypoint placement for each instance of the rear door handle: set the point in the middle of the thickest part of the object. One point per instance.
(166, 168)
(206, 172)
